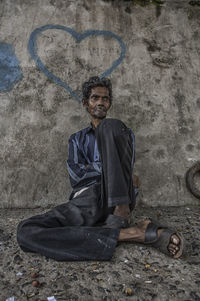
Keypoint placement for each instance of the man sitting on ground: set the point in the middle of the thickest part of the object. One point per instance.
(97, 216)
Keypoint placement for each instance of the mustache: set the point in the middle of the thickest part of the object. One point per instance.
(100, 107)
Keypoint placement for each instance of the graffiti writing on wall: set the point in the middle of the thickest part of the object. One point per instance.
(78, 37)
(10, 71)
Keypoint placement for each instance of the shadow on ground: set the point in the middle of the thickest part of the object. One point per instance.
(136, 272)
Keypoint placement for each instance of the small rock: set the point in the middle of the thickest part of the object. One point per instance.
(11, 299)
(52, 298)
(34, 275)
(128, 291)
(19, 274)
(17, 259)
(36, 283)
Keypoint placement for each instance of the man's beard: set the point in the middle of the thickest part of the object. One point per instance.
(99, 115)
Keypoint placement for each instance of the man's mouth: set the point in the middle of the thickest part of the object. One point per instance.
(102, 109)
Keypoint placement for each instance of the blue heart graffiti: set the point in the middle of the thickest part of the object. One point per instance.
(10, 71)
(32, 47)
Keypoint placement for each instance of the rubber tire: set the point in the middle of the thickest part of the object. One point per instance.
(189, 178)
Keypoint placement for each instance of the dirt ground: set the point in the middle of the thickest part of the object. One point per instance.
(136, 272)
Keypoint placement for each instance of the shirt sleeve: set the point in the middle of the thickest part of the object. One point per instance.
(80, 171)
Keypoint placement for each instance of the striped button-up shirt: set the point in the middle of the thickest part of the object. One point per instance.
(84, 164)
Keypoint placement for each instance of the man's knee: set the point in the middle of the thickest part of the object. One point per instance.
(21, 233)
(25, 230)
(19, 229)
(111, 125)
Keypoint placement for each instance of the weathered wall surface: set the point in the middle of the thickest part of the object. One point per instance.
(156, 92)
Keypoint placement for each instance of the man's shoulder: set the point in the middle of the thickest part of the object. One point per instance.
(131, 132)
(80, 133)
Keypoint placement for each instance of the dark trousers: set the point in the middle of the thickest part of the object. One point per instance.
(84, 228)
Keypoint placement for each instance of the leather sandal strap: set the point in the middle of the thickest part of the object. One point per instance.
(151, 234)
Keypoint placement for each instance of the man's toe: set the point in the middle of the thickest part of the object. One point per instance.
(173, 249)
(174, 244)
(175, 240)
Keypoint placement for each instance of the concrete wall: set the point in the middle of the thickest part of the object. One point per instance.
(156, 91)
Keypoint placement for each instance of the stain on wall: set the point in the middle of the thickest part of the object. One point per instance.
(10, 72)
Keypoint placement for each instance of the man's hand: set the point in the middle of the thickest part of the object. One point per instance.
(136, 181)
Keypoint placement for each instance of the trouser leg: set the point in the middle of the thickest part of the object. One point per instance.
(116, 151)
(68, 232)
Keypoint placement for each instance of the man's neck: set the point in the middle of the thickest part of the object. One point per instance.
(95, 122)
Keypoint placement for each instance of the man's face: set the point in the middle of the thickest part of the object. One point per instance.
(98, 102)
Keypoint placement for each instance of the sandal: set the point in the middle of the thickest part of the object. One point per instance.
(162, 242)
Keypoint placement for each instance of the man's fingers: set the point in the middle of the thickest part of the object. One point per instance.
(136, 182)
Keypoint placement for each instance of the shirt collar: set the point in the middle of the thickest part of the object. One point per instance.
(89, 128)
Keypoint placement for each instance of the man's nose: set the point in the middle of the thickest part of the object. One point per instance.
(100, 101)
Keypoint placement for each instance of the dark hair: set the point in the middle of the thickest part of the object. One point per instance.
(93, 82)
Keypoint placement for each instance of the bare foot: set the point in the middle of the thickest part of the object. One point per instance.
(173, 247)
(136, 233)
(123, 211)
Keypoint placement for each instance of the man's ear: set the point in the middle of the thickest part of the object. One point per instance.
(84, 102)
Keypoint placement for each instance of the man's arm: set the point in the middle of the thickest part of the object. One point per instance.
(80, 171)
